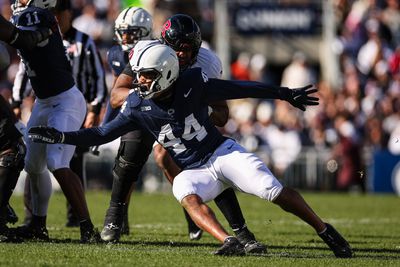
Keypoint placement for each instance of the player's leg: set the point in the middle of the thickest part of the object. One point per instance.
(68, 113)
(226, 202)
(76, 166)
(194, 187)
(249, 174)
(291, 201)
(133, 152)
(39, 184)
(170, 170)
(11, 164)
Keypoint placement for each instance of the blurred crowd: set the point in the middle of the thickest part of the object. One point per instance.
(363, 112)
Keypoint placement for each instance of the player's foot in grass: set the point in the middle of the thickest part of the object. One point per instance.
(231, 247)
(90, 236)
(336, 242)
(248, 240)
(113, 222)
(7, 235)
(32, 232)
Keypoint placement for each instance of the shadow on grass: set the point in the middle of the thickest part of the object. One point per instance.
(367, 253)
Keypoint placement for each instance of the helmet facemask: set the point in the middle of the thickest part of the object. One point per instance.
(135, 24)
(157, 63)
(144, 91)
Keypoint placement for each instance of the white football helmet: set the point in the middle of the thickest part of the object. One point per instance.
(159, 58)
(137, 23)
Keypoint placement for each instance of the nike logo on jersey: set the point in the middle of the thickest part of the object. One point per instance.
(145, 108)
(187, 94)
(116, 63)
(56, 105)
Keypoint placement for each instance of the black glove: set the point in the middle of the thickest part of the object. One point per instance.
(300, 97)
(47, 135)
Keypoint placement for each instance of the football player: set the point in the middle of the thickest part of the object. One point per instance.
(174, 109)
(59, 104)
(132, 25)
(182, 33)
(88, 72)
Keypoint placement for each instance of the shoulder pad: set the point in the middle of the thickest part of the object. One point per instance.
(33, 17)
(133, 100)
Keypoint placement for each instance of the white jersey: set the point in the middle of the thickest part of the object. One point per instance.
(206, 59)
(209, 63)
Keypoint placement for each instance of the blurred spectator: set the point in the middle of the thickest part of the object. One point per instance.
(348, 153)
(240, 67)
(297, 73)
(257, 66)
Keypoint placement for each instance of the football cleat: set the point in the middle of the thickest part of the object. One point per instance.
(336, 242)
(90, 236)
(195, 235)
(231, 247)
(255, 247)
(8, 235)
(33, 232)
(251, 245)
(113, 222)
(111, 233)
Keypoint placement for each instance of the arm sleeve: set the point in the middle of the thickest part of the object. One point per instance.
(100, 135)
(216, 90)
(98, 77)
(110, 113)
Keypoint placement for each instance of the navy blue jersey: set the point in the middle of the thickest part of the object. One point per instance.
(181, 125)
(46, 64)
(117, 59)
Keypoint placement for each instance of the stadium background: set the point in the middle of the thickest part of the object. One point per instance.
(349, 49)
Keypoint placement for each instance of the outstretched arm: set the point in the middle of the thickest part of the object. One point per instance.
(84, 137)
(225, 89)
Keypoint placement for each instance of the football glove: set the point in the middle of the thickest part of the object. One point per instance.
(47, 135)
(300, 97)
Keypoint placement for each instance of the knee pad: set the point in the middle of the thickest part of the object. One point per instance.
(14, 159)
(123, 168)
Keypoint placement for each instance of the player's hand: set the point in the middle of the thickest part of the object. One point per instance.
(47, 135)
(300, 97)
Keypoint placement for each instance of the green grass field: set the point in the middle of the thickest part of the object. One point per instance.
(159, 236)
